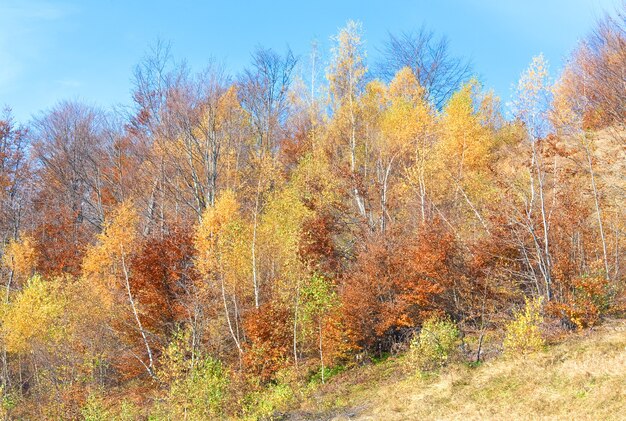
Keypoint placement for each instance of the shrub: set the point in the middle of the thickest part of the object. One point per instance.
(7, 403)
(264, 400)
(94, 409)
(589, 298)
(522, 334)
(434, 346)
(127, 411)
(198, 387)
(396, 279)
(269, 346)
(200, 394)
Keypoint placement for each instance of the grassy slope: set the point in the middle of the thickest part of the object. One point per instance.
(583, 377)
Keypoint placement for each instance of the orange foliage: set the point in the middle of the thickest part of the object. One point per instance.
(162, 273)
(583, 303)
(270, 339)
(61, 240)
(395, 284)
(317, 247)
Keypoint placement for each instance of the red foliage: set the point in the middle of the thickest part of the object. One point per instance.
(317, 246)
(162, 271)
(162, 274)
(270, 340)
(583, 303)
(61, 238)
(484, 285)
(395, 283)
(294, 147)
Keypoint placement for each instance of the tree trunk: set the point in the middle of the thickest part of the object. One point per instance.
(598, 210)
(150, 365)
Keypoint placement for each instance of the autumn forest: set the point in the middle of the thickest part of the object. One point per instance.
(229, 241)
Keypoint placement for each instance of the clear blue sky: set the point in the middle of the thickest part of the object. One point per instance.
(54, 50)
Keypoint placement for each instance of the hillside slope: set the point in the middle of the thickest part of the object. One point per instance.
(584, 377)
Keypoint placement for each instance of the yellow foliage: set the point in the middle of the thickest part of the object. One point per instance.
(568, 108)
(222, 241)
(114, 242)
(20, 256)
(347, 68)
(462, 157)
(281, 228)
(406, 86)
(436, 343)
(532, 85)
(404, 123)
(313, 179)
(522, 333)
(33, 315)
(533, 98)
(465, 142)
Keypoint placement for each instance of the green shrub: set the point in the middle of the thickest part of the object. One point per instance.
(265, 400)
(127, 411)
(329, 372)
(262, 404)
(8, 402)
(523, 334)
(435, 345)
(94, 409)
(200, 394)
(198, 386)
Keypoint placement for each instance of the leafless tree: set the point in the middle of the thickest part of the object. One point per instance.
(430, 58)
(601, 66)
(193, 111)
(14, 174)
(264, 87)
(68, 144)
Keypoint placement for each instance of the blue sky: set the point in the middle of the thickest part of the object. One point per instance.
(55, 50)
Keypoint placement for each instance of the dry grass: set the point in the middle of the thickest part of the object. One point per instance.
(582, 378)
